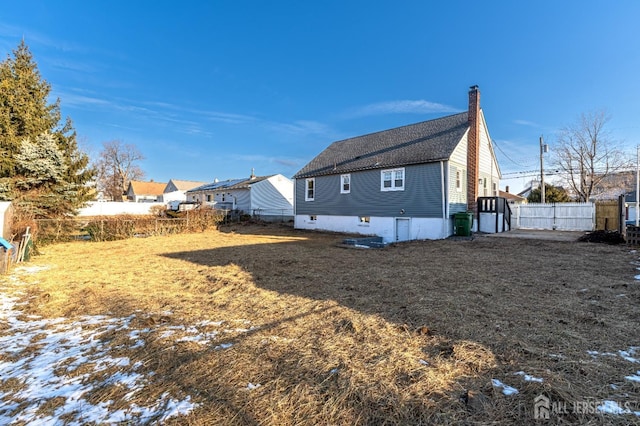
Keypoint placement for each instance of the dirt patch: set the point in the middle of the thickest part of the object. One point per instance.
(601, 236)
(431, 332)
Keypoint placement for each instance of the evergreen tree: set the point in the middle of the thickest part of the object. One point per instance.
(552, 194)
(31, 132)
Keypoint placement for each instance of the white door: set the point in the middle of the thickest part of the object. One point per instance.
(402, 229)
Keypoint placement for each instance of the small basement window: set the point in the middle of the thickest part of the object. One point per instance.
(365, 219)
(313, 217)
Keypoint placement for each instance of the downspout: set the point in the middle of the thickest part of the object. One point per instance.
(444, 200)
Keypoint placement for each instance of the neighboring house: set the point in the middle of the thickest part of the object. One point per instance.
(176, 190)
(256, 195)
(630, 205)
(512, 199)
(534, 184)
(145, 192)
(6, 218)
(401, 184)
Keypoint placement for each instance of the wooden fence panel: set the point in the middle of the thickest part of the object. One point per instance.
(607, 215)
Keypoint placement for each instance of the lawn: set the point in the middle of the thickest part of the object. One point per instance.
(268, 325)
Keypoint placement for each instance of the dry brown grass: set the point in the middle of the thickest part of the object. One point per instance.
(410, 334)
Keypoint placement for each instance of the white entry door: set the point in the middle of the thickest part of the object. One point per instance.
(402, 229)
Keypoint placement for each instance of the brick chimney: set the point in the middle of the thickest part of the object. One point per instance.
(473, 149)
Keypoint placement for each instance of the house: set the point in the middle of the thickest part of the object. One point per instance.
(401, 184)
(145, 192)
(176, 190)
(269, 197)
(513, 199)
(6, 219)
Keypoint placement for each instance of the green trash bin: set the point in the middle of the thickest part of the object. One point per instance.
(463, 223)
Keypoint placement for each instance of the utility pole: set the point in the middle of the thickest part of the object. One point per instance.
(637, 185)
(543, 148)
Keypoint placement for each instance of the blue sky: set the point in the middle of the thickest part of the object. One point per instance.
(212, 89)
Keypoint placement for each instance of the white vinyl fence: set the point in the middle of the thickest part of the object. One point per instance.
(556, 216)
(111, 208)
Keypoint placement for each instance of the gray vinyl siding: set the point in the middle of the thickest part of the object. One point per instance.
(422, 196)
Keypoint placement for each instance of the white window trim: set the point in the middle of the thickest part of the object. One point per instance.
(393, 181)
(459, 180)
(342, 190)
(306, 189)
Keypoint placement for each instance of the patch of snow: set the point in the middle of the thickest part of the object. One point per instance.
(223, 346)
(251, 386)
(506, 389)
(361, 246)
(528, 378)
(634, 377)
(627, 355)
(45, 357)
(29, 269)
(612, 407)
(423, 362)
(637, 277)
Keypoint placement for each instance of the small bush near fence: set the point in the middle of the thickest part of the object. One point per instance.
(109, 228)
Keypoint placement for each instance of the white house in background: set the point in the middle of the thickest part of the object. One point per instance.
(401, 184)
(176, 190)
(6, 216)
(264, 196)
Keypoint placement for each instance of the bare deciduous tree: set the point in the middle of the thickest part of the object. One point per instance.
(587, 156)
(118, 165)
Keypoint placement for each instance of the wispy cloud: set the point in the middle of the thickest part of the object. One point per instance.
(299, 127)
(257, 158)
(402, 107)
(186, 119)
(526, 123)
(35, 37)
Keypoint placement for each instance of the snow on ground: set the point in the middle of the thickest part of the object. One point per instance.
(528, 377)
(50, 367)
(506, 389)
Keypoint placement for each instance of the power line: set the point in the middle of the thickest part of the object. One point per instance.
(503, 153)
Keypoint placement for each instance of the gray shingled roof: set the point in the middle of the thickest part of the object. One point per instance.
(424, 142)
(230, 184)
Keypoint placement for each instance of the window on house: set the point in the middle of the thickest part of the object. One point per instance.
(345, 184)
(310, 189)
(365, 219)
(458, 181)
(495, 189)
(313, 218)
(209, 198)
(392, 180)
(484, 186)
